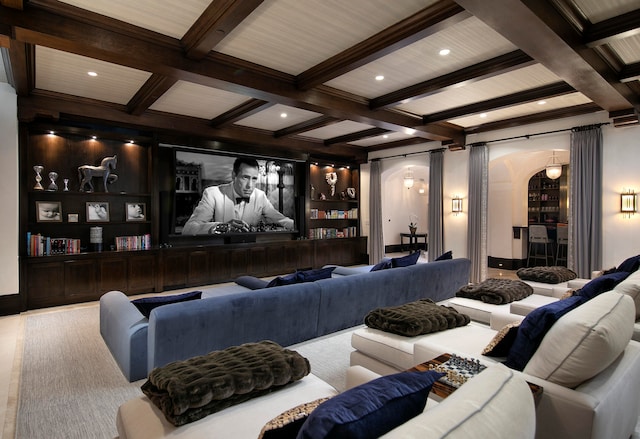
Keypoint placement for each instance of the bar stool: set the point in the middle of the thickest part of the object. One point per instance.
(562, 238)
(538, 236)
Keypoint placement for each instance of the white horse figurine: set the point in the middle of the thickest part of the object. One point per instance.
(87, 172)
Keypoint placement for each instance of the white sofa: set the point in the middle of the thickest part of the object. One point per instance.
(484, 407)
(594, 335)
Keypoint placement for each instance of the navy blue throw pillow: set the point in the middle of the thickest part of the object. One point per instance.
(382, 265)
(405, 261)
(313, 275)
(371, 409)
(289, 279)
(534, 327)
(147, 304)
(630, 264)
(445, 256)
(252, 282)
(601, 284)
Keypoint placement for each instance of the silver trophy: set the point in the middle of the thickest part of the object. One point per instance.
(38, 169)
(53, 176)
(66, 185)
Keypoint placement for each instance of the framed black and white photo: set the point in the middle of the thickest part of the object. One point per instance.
(136, 211)
(49, 211)
(97, 212)
(72, 218)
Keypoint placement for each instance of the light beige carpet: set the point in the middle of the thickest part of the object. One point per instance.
(71, 387)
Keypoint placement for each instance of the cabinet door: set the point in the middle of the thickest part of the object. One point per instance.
(141, 273)
(199, 267)
(45, 283)
(80, 278)
(113, 275)
(174, 269)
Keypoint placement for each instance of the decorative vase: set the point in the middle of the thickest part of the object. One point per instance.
(412, 230)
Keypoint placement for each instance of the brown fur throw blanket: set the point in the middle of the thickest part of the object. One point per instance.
(186, 391)
(548, 275)
(496, 291)
(415, 318)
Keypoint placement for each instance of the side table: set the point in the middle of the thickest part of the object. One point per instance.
(414, 241)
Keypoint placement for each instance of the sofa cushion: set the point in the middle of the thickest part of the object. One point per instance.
(534, 327)
(147, 304)
(188, 390)
(301, 277)
(630, 264)
(252, 282)
(631, 287)
(382, 265)
(550, 275)
(405, 261)
(495, 404)
(585, 341)
(287, 424)
(415, 318)
(500, 345)
(601, 284)
(371, 409)
(444, 256)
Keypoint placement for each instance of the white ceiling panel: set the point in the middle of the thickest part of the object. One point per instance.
(166, 17)
(599, 10)
(378, 140)
(195, 100)
(501, 85)
(3, 74)
(271, 119)
(523, 110)
(628, 49)
(337, 129)
(293, 35)
(421, 61)
(65, 72)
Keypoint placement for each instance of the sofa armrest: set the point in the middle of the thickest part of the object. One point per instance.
(357, 375)
(500, 319)
(607, 405)
(124, 330)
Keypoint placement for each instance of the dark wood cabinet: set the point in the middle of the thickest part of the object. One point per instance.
(547, 198)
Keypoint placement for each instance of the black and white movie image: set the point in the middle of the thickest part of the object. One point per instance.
(217, 194)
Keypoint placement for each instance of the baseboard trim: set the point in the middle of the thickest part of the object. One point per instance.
(10, 304)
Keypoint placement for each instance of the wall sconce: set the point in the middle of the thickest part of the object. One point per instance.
(408, 179)
(628, 203)
(553, 169)
(456, 205)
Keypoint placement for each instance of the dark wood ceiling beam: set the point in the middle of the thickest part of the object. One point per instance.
(215, 23)
(556, 114)
(538, 29)
(630, 72)
(308, 125)
(420, 25)
(19, 63)
(535, 94)
(216, 70)
(359, 135)
(15, 4)
(71, 107)
(483, 70)
(615, 28)
(246, 109)
(151, 91)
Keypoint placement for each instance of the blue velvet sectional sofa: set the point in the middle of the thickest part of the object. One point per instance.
(286, 314)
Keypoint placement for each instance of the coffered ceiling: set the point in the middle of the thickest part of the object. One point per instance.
(304, 75)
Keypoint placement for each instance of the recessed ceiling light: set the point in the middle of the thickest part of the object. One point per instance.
(409, 131)
(283, 115)
(379, 77)
(92, 74)
(483, 114)
(385, 136)
(542, 102)
(444, 52)
(51, 133)
(94, 137)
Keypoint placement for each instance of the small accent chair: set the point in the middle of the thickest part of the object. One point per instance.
(562, 240)
(538, 237)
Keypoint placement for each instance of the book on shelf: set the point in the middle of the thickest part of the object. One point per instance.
(138, 242)
(331, 232)
(334, 214)
(39, 245)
